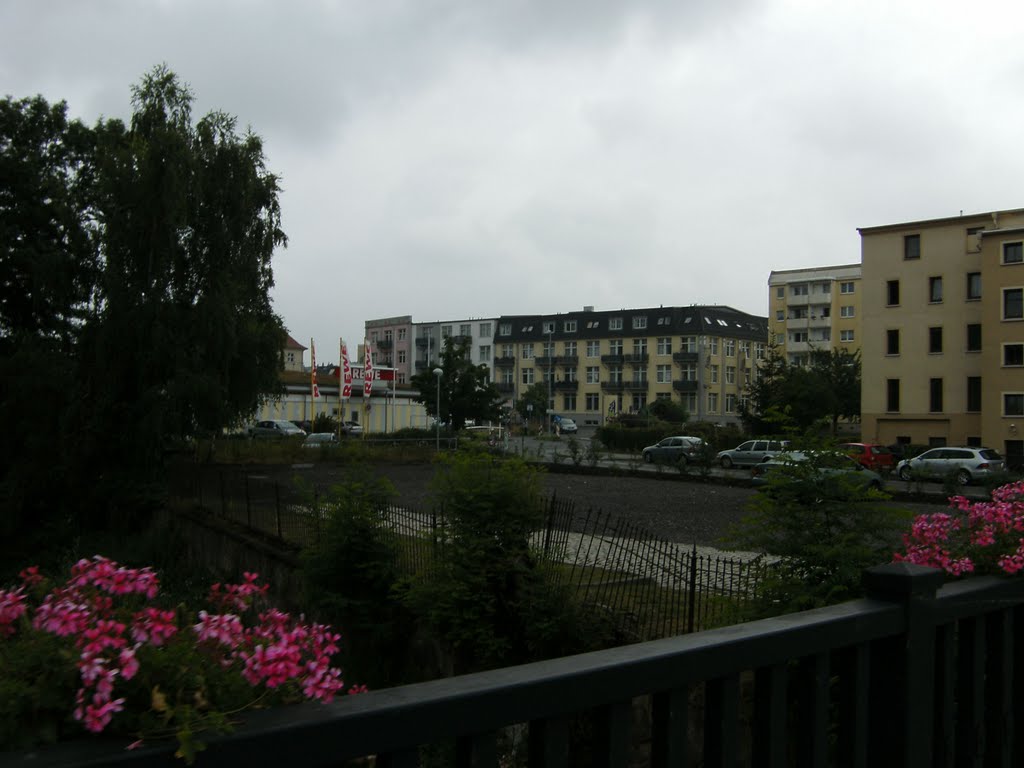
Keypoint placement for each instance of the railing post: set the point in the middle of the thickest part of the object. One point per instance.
(277, 506)
(248, 506)
(691, 598)
(903, 686)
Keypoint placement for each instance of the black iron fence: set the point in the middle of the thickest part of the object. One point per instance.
(647, 586)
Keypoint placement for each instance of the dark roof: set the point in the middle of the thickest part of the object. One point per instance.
(695, 320)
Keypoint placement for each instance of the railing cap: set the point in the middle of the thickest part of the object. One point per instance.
(902, 580)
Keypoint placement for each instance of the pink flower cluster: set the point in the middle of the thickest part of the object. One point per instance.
(108, 636)
(974, 536)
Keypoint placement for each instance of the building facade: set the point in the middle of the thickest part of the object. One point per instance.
(391, 341)
(430, 339)
(814, 309)
(599, 364)
(943, 332)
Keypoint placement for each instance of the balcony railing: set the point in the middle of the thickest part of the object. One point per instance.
(613, 359)
(613, 386)
(920, 674)
(684, 357)
(384, 344)
(504, 362)
(689, 385)
(637, 359)
(567, 386)
(505, 387)
(634, 385)
(567, 360)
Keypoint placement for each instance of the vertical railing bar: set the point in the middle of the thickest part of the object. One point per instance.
(944, 739)
(769, 723)
(998, 694)
(813, 686)
(721, 710)
(479, 750)
(549, 743)
(669, 724)
(970, 712)
(613, 735)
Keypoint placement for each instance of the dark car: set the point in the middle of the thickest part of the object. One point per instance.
(670, 450)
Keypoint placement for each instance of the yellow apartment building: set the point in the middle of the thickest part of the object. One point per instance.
(943, 332)
(814, 309)
(599, 364)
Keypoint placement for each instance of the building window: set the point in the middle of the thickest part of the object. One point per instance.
(639, 375)
(593, 349)
(892, 341)
(485, 353)
(974, 394)
(615, 347)
(465, 329)
(780, 292)
(780, 338)
(892, 293)
(1013, 303)
(974, 337)
(548, 326)
(973, 286)
(713, 345)
(714, 374)
(780, 314)
(1013, 403)
(527, 376)
(508, 350)
(593, 401)
(759, 350)
(935, 340)
(401, 357)
(527, 351)
(614, 323)
(798, 337)
(689, 344)
(615, 373)
(730, 347)
(798, 290)
(569, 402)
(730, 403)
(505, 329)
(665, 345)
(712, 402)
(845, 336)
(291, 357)
(846, 311)
(911, 247)
(1013, 253)
(639, 403)
(892, 395)
(846, 287)
(401, 334)
(547, 349)
(1013, 354)
(934, 290)
(639, 322)
(689, 371)
(664, 374)
(508, 376)
(485, 329)
(446, 331)
(935, 395)
(593, 374)
(730, 374)
(570, 349)
(639, 347)
(569, 326)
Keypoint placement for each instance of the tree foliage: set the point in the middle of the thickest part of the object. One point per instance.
(466, 389)
(536, 396)
(137, 274)
(793, 398)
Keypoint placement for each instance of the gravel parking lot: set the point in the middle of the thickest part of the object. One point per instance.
(670, 508)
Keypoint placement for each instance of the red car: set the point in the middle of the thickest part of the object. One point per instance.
(877, 458)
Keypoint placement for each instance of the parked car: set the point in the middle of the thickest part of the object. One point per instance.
(351, 428)
(827, 464)
(751, 452)
(964, 463)
(275, 428)
(563, 425)
(870, 455)
(670, 450)
(320, 440)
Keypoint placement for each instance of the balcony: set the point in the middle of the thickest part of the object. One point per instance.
(384, 344)
(422, 343)
(920, 673)
(613, 359)
(613, 386)
(684, 357)
(504, 362)
(572, 360)
(505, 387)
(637, 386)
(637, 359)
(567, 386)
(689, 385)
(544, 360)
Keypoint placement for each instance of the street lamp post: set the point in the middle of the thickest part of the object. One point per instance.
(437, 414)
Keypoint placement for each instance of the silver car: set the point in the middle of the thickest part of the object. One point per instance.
(964, 464)
(751, 452)
(275, 428)
(678, 448)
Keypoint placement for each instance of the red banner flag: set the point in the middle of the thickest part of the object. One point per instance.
(314, 389)
(367, 370)
(346, 372)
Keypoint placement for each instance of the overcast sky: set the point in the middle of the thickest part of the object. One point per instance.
(470, 158)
